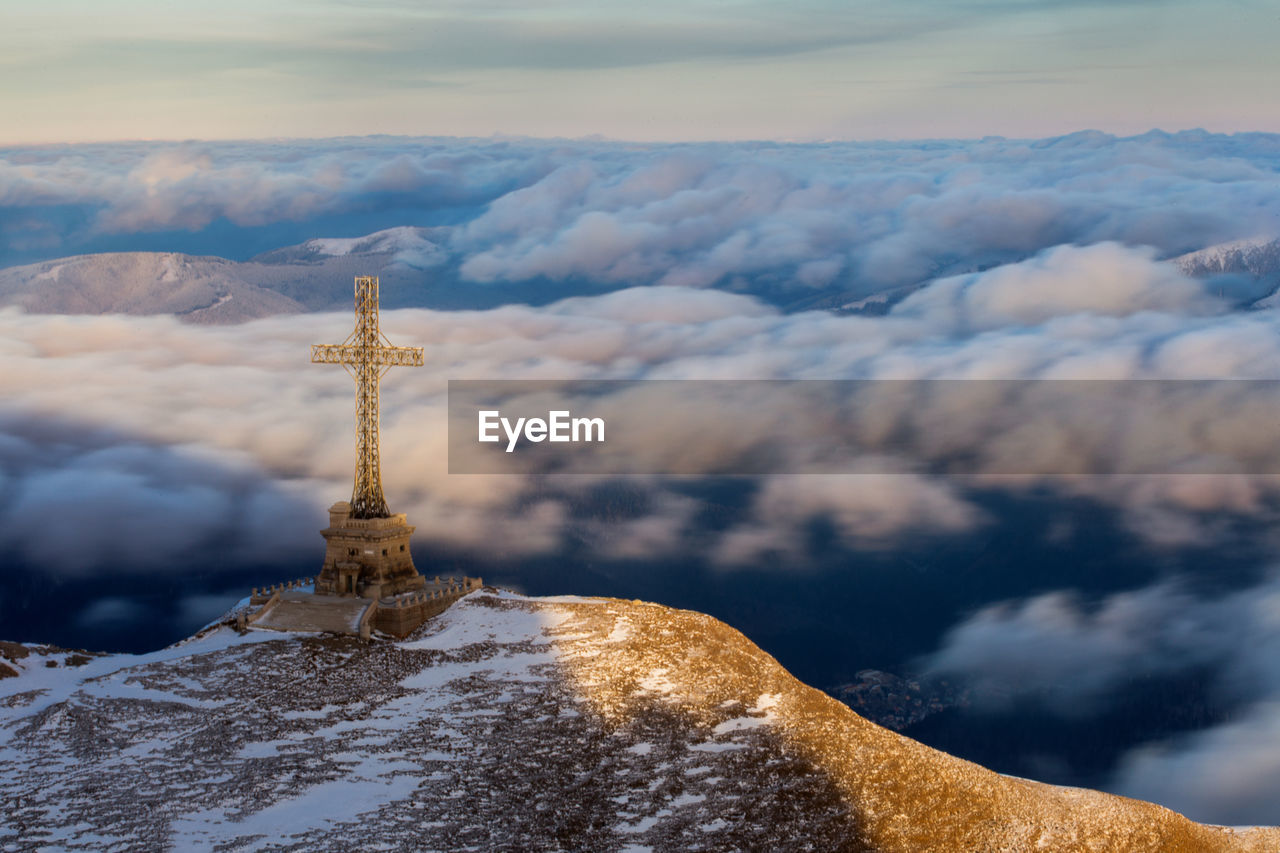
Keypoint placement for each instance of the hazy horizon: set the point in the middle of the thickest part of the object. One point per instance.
(697, 71)
(498, 136)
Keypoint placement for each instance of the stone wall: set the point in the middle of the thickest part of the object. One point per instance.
(401, 614)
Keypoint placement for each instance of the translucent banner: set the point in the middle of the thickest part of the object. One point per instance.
(948, 427)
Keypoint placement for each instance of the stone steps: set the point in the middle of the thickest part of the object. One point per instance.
(304, 611)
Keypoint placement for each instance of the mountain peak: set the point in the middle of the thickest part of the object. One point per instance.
(511, 723)
(400, 238)
(403, 246)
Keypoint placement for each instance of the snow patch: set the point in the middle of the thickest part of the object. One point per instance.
(464, 626)
(738, 724)
(658, 682)
(407, 246)
(766, 702)
(366, 788)
(621, 632)
(53, 273)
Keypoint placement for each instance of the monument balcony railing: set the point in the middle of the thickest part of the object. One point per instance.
(392, 522)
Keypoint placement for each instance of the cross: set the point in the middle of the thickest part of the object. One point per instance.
(367, 355)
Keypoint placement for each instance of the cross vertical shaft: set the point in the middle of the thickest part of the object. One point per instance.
(367, 355)
(367, 500)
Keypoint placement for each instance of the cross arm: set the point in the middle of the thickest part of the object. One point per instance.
(383, 355)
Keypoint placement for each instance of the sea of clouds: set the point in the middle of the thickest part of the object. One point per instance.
(1027, 260)
(763, 217)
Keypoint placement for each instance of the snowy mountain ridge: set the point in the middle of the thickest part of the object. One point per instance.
(421, 268)
(407, 245)
(506, 723)
(1257, 257)
(196, 289)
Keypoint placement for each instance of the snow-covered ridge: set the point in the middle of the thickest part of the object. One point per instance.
(1256, 257)
(198, 289)
(315, 275)
(506, 723)
(408, 245)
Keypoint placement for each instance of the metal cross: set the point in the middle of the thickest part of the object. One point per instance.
(367, 355)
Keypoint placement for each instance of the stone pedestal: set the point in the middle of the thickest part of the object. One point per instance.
(367, 557)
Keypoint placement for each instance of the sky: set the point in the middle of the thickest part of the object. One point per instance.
(76, 70)
(1002, 240)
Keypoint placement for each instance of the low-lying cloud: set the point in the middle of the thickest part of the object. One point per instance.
(768, 218)
(1229, 774)
(1071, 656)
(1104, 279)
(84, 499)
(245, 399)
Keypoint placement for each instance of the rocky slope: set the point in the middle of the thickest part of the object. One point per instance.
(507, 723)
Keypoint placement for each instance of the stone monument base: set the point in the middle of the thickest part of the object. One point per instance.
(367, 557)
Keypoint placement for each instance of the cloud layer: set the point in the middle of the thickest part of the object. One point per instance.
(1072, 655)
(847, 218)
(159, 382)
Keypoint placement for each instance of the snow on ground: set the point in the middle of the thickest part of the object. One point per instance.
(40, 686)
(473, 727)
(504, 723)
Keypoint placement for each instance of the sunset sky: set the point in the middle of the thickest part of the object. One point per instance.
(77, 71)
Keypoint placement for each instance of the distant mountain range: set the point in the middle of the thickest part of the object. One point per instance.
(506, 723)
(316, 275)
(418, 271)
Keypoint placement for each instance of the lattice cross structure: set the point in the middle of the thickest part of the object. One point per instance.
(367, 355)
